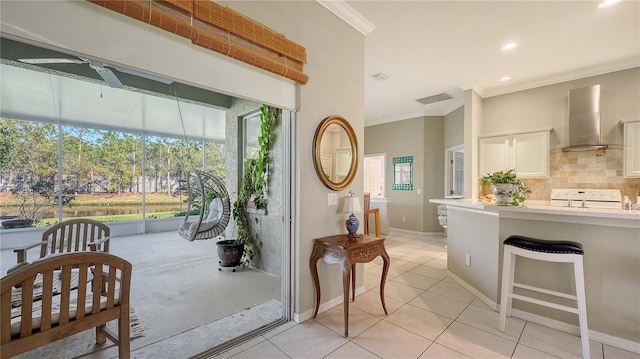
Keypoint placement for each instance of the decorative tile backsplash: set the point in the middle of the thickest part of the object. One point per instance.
(582, 169)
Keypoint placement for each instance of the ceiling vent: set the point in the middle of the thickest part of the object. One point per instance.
(435, 98)
(380, 76)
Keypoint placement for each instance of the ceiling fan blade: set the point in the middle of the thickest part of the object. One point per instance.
(52, 61)
(107, 75)
(142, 74)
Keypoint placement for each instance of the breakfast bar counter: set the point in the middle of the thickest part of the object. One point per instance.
(611, 242)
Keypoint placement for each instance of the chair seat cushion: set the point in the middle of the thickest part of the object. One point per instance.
(539, 245)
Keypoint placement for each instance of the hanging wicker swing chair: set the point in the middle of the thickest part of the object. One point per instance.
(207, 194)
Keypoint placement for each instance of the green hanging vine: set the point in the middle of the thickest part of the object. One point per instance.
(254, 182)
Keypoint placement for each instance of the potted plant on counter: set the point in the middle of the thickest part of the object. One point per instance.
(507, 188)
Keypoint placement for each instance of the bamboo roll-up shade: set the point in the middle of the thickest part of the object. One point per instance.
(219, 29)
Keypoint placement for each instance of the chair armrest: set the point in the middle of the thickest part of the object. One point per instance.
(93, 246)
(22, 252)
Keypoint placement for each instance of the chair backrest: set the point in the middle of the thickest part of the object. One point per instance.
(75, 235)
(367, 204)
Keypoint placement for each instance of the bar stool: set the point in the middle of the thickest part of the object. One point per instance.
(550, 251)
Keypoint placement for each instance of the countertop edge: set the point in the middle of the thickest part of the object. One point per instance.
(594, 216)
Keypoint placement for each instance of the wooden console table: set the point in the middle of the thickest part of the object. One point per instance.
(347, 252)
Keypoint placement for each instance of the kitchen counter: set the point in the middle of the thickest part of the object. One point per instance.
(611, 242)
(541, 210)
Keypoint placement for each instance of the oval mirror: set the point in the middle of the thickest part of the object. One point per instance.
(335, 152)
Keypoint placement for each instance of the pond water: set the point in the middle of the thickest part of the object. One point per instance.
(93, 210)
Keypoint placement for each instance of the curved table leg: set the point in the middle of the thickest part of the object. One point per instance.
(346, 278)
(385, 270)
(313, 264)
(353, 282)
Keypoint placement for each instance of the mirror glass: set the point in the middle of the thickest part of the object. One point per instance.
(335, 152)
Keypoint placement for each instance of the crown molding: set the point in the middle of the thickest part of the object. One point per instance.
(345, 12)
(569, 76)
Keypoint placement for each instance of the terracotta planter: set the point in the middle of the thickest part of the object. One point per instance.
(230, 253)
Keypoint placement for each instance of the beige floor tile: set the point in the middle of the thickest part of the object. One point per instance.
(524, 352)
(401, 265)
(351, 351)
(611, 352)
(439, 304)
(430, 272)
(308, 340)
(264, 350)
(452, 290)
(487, 320)
(400, 291)
(555, 342)
(420, 256)
(387, 340)
(438, 262)
(475, 342)
(370, 302)
(416, 280)
(419, 321)
(437, 351)
(371, 280)
(359, 320)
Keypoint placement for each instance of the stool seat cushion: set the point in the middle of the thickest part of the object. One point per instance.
(539, 245)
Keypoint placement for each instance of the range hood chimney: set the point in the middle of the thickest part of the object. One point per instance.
(584, 119)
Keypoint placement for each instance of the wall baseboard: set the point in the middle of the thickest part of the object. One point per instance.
(391, 229)
(603, 338)
(483, 298)
(308, 314)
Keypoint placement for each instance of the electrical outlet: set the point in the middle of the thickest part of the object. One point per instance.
(333, 199)
(404, 219)
(467, 260)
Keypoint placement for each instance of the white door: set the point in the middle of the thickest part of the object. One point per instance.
(374, 175)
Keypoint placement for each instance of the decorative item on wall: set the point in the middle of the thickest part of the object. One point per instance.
(335, 152)
(403, 173)
(352, 205)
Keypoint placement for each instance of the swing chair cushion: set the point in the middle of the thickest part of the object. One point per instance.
(212, 220)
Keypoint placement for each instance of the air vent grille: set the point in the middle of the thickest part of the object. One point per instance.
(435, 98)
(380, 76)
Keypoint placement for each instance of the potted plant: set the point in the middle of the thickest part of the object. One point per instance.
(34, 199)
(507, 188)
(251, 194)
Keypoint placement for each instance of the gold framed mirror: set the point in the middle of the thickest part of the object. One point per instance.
(335, 152)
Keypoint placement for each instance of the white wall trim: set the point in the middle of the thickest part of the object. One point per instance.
(483, 298)
(412, 232)
(345, 12)
(306, 315)
(603, 338)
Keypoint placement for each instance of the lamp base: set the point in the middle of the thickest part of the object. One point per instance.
(352, 224)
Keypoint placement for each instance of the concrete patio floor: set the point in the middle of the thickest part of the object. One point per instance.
(176, 286)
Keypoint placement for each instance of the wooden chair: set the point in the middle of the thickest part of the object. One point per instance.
(74, 235)
(42, 303)
(367, 211)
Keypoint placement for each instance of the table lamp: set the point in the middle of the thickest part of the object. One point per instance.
(352, 205)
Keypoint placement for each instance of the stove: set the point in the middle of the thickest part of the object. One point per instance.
(586, 198)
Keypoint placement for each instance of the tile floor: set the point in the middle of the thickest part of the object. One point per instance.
(430, 316)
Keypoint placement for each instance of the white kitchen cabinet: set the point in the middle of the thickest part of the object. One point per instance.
(631, 162)
(526, 152)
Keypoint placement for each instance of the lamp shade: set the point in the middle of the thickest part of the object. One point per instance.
(352, 205)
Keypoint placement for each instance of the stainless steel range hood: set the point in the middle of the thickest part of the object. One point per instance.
(584, 119)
